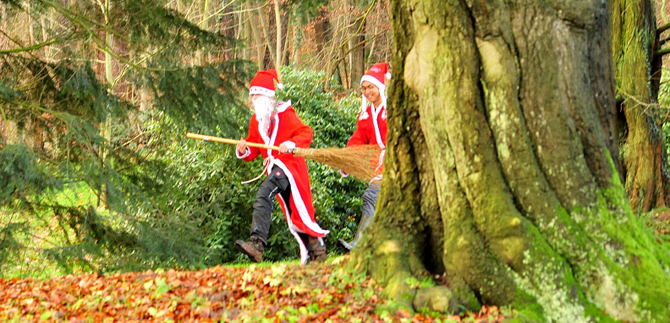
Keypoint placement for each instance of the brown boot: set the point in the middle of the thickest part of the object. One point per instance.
(316, 249)
(252, 248)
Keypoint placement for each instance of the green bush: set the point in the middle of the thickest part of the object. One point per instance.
(171, 202)
(337, 200)
(206, 177)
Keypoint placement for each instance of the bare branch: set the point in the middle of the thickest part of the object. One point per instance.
(662, 52)
(663, 28)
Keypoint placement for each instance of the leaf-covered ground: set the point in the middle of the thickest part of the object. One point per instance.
(318, 292)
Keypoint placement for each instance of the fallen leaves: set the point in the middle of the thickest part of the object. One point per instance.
(279, 293)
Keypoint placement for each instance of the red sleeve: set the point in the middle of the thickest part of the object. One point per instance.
(301, 134)
(253, 136)
(359, 137)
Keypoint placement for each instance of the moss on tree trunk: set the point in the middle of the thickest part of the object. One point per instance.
(637, 75)
(499, 168)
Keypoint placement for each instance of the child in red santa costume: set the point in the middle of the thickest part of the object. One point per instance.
(275, 123)
(370, 130)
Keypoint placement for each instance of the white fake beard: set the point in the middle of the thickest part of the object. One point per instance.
(263, 107)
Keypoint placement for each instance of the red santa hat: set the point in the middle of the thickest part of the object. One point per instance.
(377, 75)
(264, 83)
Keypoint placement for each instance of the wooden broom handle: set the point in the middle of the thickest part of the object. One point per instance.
(228, 141)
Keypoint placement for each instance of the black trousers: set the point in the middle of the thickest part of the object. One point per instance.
(276, 183)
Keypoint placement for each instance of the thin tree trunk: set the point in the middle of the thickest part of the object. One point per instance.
(500, 171)
(106, 126)
(357, 54)
(296, 44)
(637, 78)
(332, 58)
(278, 52)
(204, 23)
(243, 34)
(372, 47)
(322, 32)
(267, 40)
(259, 44)
(286, 53)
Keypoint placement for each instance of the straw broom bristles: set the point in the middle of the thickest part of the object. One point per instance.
(363, 162)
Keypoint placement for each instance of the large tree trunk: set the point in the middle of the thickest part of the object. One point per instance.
(499, 170)
(637, 74)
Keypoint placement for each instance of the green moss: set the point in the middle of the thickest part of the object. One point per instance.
(527, 309)
(549, 280)
(628, 278)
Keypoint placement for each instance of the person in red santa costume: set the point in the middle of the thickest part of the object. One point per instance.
(275, 123)
(370, 130)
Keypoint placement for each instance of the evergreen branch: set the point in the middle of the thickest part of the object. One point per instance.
(39, 108)
(236, 11)
(83, 21)
(2, 111)
(133, 139)
(233, 12)
(30, 48)
(102, 45)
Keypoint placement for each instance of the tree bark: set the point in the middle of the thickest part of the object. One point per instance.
(637, 74)
(500, 170)
(357, 52)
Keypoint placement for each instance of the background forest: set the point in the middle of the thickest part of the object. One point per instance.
(96, 99)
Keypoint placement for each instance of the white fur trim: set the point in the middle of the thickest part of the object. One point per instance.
(264, 135)
(304, 254)
(387, 75)
(343, 174)
(295, 194)
(375, 114)
(246, 153)
(271, 142)
(380, 163)
(283, 106)
(374, 81)
(299, 203)
(364, 103)
(279, 86)
(261, 91)
(289, 144)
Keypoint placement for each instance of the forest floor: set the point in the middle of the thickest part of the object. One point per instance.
(266, 292)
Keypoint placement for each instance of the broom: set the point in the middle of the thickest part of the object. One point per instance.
(361, 162)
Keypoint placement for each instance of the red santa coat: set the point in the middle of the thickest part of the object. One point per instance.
(371, 130)
(286, 128)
